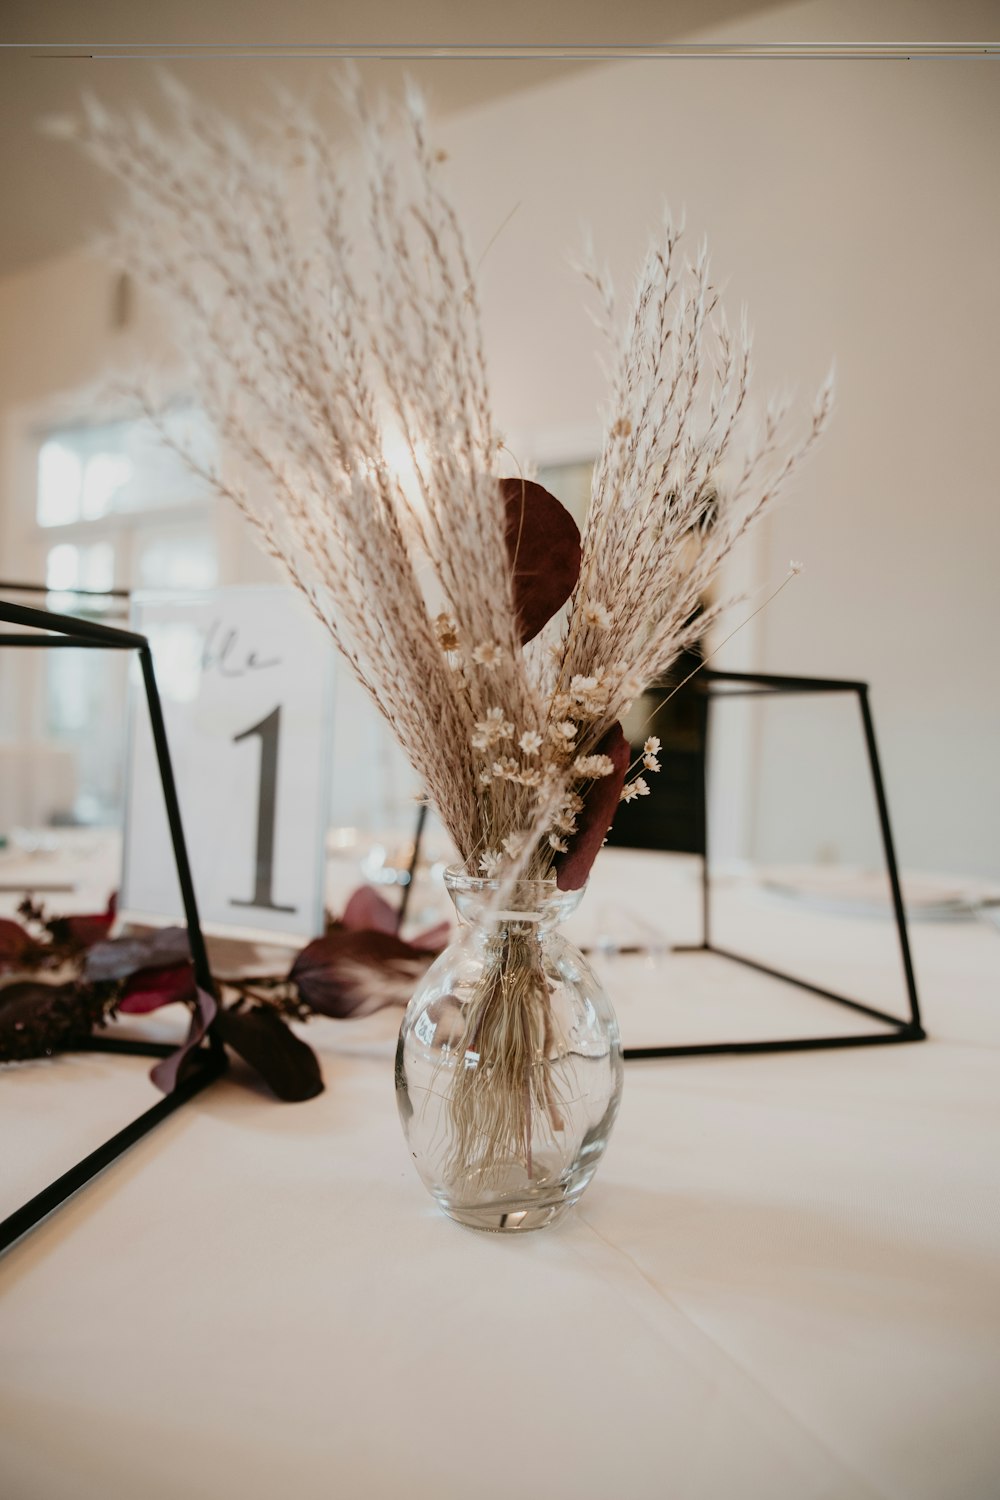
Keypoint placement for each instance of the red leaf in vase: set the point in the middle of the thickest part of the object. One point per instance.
(150, 988)
(543, 546)
(600, 803)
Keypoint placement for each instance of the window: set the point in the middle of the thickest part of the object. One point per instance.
(116, 468)
(115, 508)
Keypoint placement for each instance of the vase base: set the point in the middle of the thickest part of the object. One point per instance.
(496, 1219)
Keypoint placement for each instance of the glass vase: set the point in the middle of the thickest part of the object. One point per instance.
(509, 1062)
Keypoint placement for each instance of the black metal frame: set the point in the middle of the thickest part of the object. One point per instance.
(53, 631)
(206, 1062)
(760, 684)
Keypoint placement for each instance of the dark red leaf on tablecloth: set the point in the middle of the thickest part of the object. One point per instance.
(38, 1019)
(118, 958)
(543, 548)
(85, 931)
(167, 1073)
(150, 988)
(15, 943)
(367, 908)
(286, 1064)
(349, 973)
(600, 803)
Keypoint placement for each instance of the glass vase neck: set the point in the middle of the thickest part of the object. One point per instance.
(480, 903)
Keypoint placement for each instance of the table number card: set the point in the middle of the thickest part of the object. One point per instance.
(245, 675)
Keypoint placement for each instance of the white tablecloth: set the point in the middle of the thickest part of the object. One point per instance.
(784, 1281)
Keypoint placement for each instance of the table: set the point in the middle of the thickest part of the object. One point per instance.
(784, 1281)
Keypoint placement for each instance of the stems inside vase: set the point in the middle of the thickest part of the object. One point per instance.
(505, 1093)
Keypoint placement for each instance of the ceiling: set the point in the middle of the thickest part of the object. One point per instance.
(53, 201)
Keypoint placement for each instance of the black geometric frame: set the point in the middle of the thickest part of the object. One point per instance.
(52, 631)
(714, 685)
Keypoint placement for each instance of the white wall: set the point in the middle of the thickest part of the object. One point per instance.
(853, 206)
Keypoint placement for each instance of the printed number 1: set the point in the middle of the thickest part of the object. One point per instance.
(267, 800)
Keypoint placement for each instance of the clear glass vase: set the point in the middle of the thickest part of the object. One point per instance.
(509, 1063)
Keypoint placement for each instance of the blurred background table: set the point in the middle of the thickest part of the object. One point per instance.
(784, 1281)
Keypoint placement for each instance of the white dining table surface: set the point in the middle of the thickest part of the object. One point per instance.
(783, 1282)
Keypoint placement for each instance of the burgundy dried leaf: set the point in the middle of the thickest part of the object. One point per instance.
(543, 546)
(85, 931)
(600, 803)
(15, 943)
(350, 973)
(367, 908)
(150, 988)
(170, 1071)
(118, 958)
(38, 1019)
(286, 1064)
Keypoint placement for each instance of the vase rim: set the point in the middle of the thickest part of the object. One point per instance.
(529, 899)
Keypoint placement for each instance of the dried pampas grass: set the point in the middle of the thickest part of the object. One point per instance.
(308, 333)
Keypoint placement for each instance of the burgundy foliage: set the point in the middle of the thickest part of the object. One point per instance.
(334, 973)
(15, 943)
(367, 907)
(600, 803)
(84, 931)
(118, 958)
(287, 1065)
(150, 988)
(38, 1019)
(168, 1073)
(543, 546)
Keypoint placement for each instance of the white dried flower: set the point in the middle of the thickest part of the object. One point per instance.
(491, 729)
(487, 655)
(641, 786)
(490, 863)
(564, 730)
(529, 776)
(593, 766)
(506, 768)
(651, 763)
(558, 844)
(597, 614)
(629, 793)
(514, 843)
(794, 567)
(652, 746)
(530, 742)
